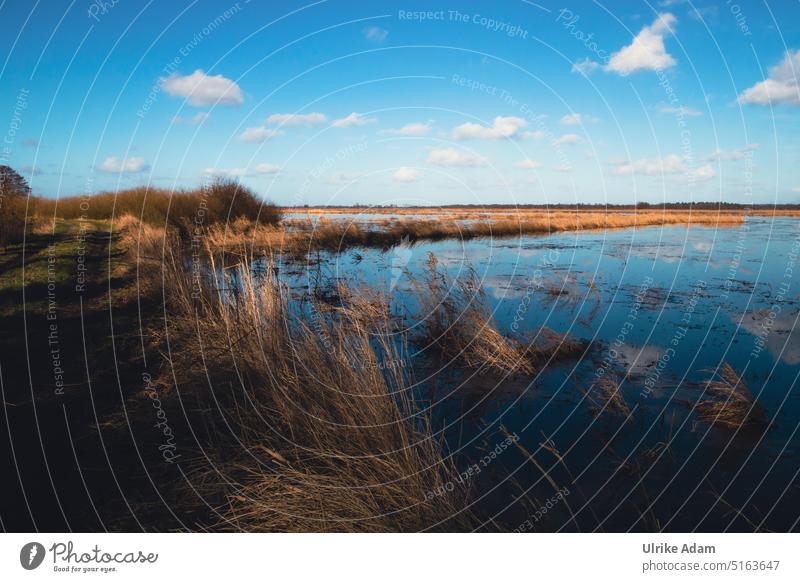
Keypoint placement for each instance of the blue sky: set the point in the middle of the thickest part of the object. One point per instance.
(336, 102)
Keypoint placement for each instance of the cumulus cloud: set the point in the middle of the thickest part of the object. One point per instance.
(195, 119)
(568, 139)
(732, 155)
(680, 111)
(528, 164)
(451, 157)
(375, 34)
(405, 174)
(259, 134)
(200, 89)
(502, 127)
(672, 164)
(353, 120)
(780, 86)
(585, 67)
(115, 165)
(410, 130)
(646, 52)
(290, 119)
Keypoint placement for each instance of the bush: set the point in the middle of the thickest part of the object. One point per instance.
(220, 202)
(14, 191)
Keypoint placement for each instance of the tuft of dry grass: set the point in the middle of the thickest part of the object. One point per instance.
(457, 321)
(309, 431)
(606, 397)
(731, 404)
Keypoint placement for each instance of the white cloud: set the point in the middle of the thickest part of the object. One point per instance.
(200, 89)
(353, 120)
(410, 130)
(680, 111)
(732, 155)
(647, 51)
(533, 134)
(796, 189)
(568, 139)
(375, 34)
(585, 67)
(572, 119)
(528, 164)
(259, 134)
(452, 157)
(265, 168)
(289, 119)
(705, 172)
(195, 119)
(781, 86)
(115, 165)
(343, 178)
(405, 174)
(672, 164)
(227, 172)
(563, 168)
(502, 127)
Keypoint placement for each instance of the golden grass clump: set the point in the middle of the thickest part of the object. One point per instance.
(309, 431)
(606, 397)
(458, 323)
(730, 403)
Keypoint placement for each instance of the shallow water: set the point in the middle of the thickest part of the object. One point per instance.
(661, 309)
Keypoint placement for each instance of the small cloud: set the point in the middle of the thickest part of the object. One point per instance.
(502, 127)
(646, 52)
(200, 89)
(577, 119)
(196, 119)
(410, 130)
(227, 172)
(291, 119)
(780, 86)
(672, 164)
(405, 174)
(353, 120)
(680, 111)
(375, 34)
(115, 165)
(797, 189)
(731, 155)
(563, 168)
(528, 164)
(259, 134)
(451, 157)
(342, 178)
(585, 67)
(533, 134)
(30, 142)
(568, 139)
(265, 168)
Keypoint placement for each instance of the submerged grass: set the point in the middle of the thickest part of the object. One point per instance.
(730, 403)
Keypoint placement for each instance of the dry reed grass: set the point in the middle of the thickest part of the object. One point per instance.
(731, 404)
(606, 397)
(310, 432)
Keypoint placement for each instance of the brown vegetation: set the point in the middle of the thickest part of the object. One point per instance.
(219, 202)
(730, 403)
(309, 431)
